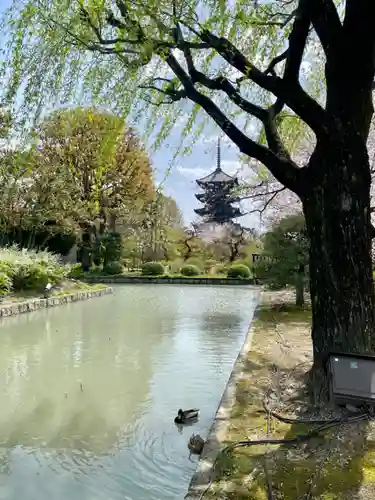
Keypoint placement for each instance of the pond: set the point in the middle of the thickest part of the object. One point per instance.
(89, 391)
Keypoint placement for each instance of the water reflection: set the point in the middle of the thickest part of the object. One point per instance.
(88, 392)
(72, 377)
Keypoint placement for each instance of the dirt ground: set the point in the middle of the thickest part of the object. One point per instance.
(337, 465)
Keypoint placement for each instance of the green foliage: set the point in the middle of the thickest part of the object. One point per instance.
(5, 284)
(246, 262)
(194, 261)
(209, 265)
(176, 265)
(190, 270)
(113, 268)
(95, 270)
(82, 167)
(76, 271)
(31, 270)
(113, 247)
(221, 269)
(29, 276)
(285, 251)
(51, 236)
(53, 44)
(152, 269)
(239, 271)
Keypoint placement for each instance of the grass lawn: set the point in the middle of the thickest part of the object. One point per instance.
(340, 465)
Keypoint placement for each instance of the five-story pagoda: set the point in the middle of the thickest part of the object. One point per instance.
(217, 196)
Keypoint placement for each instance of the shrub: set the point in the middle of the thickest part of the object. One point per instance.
(113, 268)
(245, 262)
(190, 270)
(209, 265)
(29, 269)
(98, 252)
(152, 269)
(194, 261)
(126, 263)
(35, 275)
(29, 276)
(95, 270)
(113, 247)
(76, 271)
(239, 271)
(221, 269)
(176, 265)
(5, 284)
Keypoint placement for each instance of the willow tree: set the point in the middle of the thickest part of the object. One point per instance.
(248, 65)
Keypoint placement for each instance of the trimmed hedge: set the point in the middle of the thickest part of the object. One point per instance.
(152, 269)
(194, 261)
(239, 271)
(190, 270)
(113, 268)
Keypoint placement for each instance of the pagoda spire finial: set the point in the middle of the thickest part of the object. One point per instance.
(218, 167)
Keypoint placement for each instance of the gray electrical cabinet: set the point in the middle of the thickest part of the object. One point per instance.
(352, 379)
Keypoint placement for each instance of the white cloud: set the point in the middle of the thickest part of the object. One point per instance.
(193, 172)
(212, 139)
(231, 167)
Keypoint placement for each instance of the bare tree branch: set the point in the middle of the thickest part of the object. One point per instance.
(291, 93)
(273, 193)
(275, 61)
(326, 22)
(267, 203)
(284, 170)
(168, 90)
(293, 55)
(286, 89)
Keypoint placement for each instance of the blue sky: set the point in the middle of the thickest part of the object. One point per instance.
(180, 183)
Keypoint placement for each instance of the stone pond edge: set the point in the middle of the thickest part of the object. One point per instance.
(218, 431)
(168, 280)
(7, 310)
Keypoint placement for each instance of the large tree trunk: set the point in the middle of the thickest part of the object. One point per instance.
(300, 285)
(337, 209)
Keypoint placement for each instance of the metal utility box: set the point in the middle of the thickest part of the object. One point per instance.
(352, 378)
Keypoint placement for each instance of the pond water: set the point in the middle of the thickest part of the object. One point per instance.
(89, 391)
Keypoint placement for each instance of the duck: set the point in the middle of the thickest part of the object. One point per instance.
(184, 416)
(196, 444)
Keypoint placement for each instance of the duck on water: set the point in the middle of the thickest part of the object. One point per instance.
(186, 416)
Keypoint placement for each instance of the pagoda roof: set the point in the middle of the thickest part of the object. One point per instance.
(217, 177)
(236, 212)
(201, 197)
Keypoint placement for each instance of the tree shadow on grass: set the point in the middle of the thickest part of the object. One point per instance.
(335, 466)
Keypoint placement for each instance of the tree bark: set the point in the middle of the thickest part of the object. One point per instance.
(336, 205)
(300, 284)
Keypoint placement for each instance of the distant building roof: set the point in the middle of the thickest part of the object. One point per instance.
(217, 177)
(219, 215)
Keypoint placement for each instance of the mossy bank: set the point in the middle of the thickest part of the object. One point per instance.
(339, 465)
